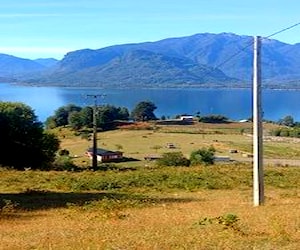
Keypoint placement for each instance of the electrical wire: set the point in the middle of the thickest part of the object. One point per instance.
(252, 42)
(285, 29)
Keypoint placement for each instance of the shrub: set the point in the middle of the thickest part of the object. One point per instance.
(64, 163)
(295, 132)
(64, 152)
(275, 132)
(173, 159)
(228, 221)
(213, 119)
(203, 155)
(285, 132)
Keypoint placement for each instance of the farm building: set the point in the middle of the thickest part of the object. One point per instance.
(105, 155)
(188, 118)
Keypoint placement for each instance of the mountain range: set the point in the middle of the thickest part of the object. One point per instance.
(201, 60)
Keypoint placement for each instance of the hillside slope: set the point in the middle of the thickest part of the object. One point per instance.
(199, 60)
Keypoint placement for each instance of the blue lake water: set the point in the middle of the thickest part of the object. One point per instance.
(233, 103)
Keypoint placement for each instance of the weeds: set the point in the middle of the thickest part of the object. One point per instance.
(8, 208)
(156, 179)
(227, 221)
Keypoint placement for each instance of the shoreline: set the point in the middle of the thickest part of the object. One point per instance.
(277, 88)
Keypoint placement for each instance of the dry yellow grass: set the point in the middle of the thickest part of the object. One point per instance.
(171, 225)
(139, 143)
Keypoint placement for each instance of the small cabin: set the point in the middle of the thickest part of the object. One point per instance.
(188, 118)
(104, 155)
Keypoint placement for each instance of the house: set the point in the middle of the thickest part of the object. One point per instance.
(187, 118)
(105, 155)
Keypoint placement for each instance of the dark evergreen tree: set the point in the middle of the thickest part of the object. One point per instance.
(87, 116)
(144, 111)
(75, 120)
(23, 141)
(78, 117)
(108, 114)
(61, 115)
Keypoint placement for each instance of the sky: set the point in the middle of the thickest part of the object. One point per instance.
(50, 28)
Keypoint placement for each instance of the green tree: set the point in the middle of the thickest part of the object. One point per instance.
(203, 156)
(75, 120)
(144, 111)
(23, 141)
(173, 159)
(78, 117)
(123, 114)
(50, 122)
(287, 121)
(108, 114)
(87, 116)
(61, 115)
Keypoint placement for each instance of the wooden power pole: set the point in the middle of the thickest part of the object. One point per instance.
(258, 173)
(94, 158)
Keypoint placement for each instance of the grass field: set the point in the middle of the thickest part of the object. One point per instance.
(138, 205)
(137, 143)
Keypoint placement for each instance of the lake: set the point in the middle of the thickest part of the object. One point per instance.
(233, 103)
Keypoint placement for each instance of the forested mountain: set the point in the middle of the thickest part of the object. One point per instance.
(135, 68)
(200, 60)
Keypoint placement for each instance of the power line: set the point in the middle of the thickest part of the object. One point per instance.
(283, 30)
(94, 156)
(252, 42)
(234, 55)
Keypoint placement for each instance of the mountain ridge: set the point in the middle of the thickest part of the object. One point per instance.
(203, 59)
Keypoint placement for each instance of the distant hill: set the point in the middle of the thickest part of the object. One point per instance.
(200, 60)
(11, 66)
(14, 68)
(135, 68)
(47, 62)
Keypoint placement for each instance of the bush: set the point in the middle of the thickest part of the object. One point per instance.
(203, 156)
(63, 152)
(295, 132)
(285, 132)
(64, 163)
(275, 132)
(213, 119)
(173, 159)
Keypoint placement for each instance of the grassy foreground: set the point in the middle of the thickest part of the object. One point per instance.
(158, 208)
(137, 205)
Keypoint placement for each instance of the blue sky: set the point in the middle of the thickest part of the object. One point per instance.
(43, 28)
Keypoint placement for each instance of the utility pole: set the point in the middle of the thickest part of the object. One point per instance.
(258, 173)
(94, 159)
